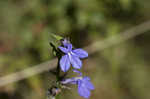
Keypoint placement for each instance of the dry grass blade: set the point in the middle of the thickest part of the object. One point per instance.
(137, 30)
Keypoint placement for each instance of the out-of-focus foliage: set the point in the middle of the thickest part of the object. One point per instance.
(119, 72)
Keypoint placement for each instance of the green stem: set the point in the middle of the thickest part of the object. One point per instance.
(58, 54)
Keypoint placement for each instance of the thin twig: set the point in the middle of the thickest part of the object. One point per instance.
(14, 77)
(97, 46)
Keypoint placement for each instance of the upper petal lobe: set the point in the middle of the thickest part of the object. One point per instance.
(80, 53)
(63, 49)
(69, 47)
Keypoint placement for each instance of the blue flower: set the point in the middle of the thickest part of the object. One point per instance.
(72, 56)
(84, 85)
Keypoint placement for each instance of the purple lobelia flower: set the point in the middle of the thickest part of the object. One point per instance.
(72, 56)
(84, 85)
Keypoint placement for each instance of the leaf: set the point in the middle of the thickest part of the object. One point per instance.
(57, 37)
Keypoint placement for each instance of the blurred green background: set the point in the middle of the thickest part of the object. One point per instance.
(118, 72)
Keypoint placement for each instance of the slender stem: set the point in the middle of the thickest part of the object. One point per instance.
(58, 71)
(58, 54)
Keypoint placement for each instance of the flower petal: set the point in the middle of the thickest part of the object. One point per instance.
(75, 61)
(65, 42)
(80, 53)
(88, 84)
(63, 49)
(69, 47)
(64, 63)
(86, 78)
(82, 90)
(70, 81)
